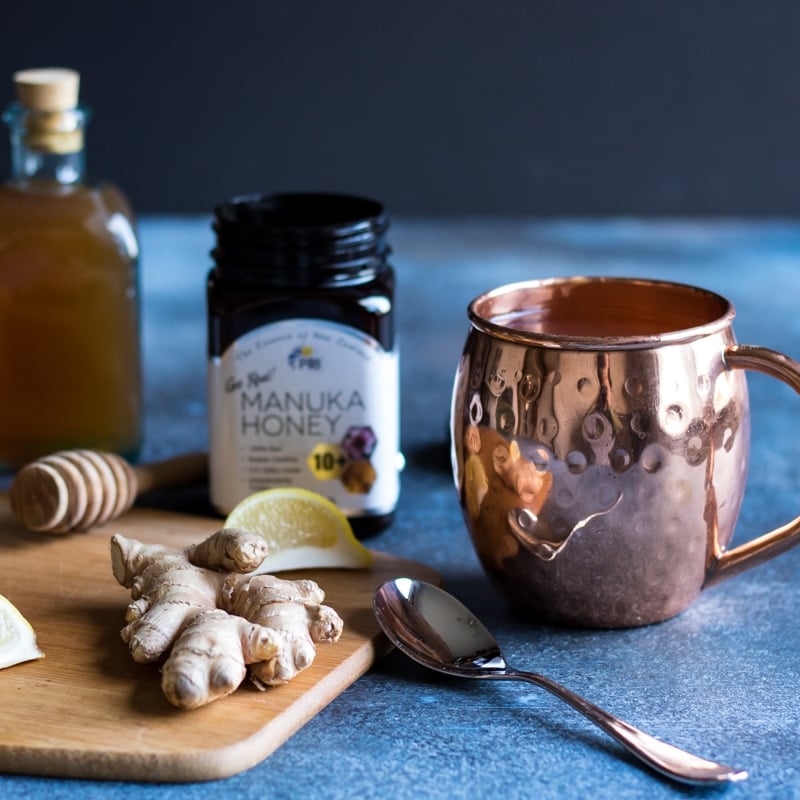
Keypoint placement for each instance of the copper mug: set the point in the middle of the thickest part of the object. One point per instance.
(600, 439)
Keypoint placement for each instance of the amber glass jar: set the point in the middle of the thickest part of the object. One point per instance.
(69, 300)
(303, 367)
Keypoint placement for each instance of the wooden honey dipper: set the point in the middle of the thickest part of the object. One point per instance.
(74, 490)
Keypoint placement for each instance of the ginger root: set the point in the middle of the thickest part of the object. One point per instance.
(215, 621)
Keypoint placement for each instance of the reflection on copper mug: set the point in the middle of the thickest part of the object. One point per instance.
(600, 431)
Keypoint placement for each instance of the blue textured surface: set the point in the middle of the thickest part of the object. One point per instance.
(720, 680)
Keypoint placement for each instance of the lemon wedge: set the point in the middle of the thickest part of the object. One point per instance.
(303, 529)
(17, 639)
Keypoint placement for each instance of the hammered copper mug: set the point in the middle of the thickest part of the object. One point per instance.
(600, 432)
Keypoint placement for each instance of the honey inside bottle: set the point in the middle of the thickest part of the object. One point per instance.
(69, 307)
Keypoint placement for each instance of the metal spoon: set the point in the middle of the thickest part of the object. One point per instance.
(436, 630)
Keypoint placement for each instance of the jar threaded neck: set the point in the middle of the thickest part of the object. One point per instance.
(300, 238)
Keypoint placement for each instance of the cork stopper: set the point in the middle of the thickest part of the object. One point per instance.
(49, 98)
(52, 89)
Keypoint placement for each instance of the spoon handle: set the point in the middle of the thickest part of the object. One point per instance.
(662, 757)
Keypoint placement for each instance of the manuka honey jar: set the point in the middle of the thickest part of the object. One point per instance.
(303, 366)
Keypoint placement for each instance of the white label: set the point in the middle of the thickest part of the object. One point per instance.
(306, 403)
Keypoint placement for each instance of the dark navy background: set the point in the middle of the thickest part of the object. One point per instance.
(509, 107)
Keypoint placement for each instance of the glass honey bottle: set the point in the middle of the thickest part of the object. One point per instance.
(69, 301)
(303, 360)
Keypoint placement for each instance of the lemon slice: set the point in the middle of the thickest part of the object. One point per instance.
(17, 639)
(303, 529)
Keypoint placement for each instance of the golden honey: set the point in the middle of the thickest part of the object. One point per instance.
(69, 323)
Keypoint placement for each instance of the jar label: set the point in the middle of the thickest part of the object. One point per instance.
(306, 403)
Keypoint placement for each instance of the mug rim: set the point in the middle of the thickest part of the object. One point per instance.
(582, 342)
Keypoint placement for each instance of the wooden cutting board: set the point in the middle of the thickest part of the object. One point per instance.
(88, 711)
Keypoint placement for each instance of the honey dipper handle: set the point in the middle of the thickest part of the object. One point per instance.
(176, 471)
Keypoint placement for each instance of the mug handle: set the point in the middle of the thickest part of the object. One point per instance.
(759, 550)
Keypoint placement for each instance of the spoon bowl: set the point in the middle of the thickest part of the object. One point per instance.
(436, 630)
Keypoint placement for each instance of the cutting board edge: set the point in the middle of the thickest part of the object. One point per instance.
(200, 765)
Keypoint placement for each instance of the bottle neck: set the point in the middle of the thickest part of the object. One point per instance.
(47, 146)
